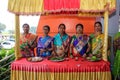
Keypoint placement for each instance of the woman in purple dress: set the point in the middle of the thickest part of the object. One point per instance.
(45, 43)
(79, 44)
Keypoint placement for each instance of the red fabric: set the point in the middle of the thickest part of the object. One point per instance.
(66, 66)
(61, 5)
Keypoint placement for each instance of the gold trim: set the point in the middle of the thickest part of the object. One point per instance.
(24, 75)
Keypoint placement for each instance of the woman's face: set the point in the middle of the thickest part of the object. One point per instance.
(45, 30)
(26, 29)
(98, 28)
(79, 30)
(61, 29)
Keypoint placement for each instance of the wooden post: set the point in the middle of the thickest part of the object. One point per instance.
(105, 46)
(17, 37)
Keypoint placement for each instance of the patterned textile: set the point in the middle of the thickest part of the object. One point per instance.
(96, 43)
(26, 44)
(44, 43)
(61, 43)
(80, 44)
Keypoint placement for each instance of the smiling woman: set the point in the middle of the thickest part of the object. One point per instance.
(31, 20)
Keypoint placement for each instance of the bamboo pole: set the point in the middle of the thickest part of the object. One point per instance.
(105, 45)
(17, 37)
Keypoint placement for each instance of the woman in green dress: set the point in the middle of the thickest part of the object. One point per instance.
(116, 65)
(97, 41)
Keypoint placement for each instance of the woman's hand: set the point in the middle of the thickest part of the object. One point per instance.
(49, 49)
(42, 50)
(84, 55)
(71, 56)
(90, 55)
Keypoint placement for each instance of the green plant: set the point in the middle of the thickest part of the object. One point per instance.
(3, 53)
(24, 46)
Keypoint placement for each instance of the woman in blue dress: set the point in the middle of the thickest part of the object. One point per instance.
(45, 43)
(61, 42)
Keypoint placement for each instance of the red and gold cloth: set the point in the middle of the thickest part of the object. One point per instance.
(67, 70)
(81, 7)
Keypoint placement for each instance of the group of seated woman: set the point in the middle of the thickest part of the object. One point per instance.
(62, 44)
(57, 46)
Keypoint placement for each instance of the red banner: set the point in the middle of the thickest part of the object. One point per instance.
(61, 5)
